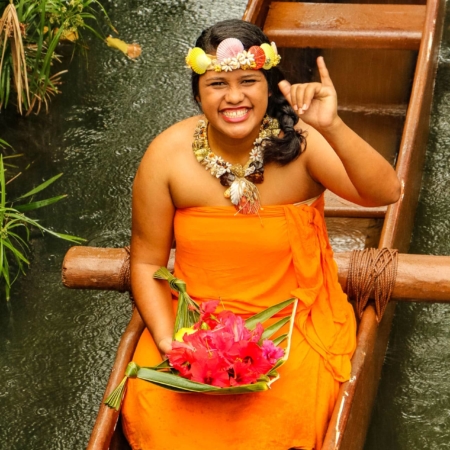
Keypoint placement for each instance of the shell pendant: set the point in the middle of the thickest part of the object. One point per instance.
(244, 195)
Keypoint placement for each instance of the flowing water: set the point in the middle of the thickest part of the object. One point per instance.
(57, 345)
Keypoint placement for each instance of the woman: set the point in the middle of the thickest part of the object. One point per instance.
(251, 235)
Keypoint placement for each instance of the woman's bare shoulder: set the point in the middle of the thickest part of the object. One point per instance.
(178, 133)
(171, 142)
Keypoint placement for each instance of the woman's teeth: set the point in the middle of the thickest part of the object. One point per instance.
(235, 113)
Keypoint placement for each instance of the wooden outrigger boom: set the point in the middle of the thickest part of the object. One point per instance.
(382, 59)
(420, 278)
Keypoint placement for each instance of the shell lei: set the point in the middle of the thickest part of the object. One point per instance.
(240, 180)
(245, 196)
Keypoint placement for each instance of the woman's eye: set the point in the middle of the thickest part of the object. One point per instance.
(249, 81)
(217, 83)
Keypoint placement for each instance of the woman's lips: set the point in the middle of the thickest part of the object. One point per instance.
(235, 115)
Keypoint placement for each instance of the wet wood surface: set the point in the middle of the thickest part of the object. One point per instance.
(419, 277)
(337, 25)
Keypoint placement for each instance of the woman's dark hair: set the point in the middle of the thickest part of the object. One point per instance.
(279, 150)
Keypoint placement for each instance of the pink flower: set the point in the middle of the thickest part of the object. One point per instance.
(257, 332)
(271, 352)
(235, 325)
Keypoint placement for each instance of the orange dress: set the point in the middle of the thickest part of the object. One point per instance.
(250, 263)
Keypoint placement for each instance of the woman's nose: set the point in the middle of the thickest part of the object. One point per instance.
(234, 94)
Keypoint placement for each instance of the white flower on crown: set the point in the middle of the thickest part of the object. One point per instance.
(229, 64)
(226, 65)
(245, 58)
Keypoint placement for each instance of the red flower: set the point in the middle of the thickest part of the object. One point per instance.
(209, 307)
(252, 354)
(209, 368)
(181, 357)
(206, 315)
(241, 373)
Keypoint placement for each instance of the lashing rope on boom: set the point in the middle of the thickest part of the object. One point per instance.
(372, 271)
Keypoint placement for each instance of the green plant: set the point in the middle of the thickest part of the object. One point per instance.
(30, 31)
(16, 225)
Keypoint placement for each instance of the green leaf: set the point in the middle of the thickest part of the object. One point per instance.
(41, 186)
(270, 331)
(280, 339)
(174, 381)
(18, 255)
(261, 317)
(188, 311)
(66, 237)
(115, 398)
(39, 204)
(4, 144)
(177, 383)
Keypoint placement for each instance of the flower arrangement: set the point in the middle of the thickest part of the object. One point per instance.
(216, 352)
(221, 351)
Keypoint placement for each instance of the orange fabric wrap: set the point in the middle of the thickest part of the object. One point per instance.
(251, 263)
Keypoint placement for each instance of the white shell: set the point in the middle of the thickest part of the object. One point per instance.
(274, 47)
(229, 48)
(236, 190)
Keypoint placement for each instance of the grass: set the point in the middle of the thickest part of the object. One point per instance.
(16, 225)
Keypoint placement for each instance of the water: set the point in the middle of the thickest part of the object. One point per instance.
(57, 345)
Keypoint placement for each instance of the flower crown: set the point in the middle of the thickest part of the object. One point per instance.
(230, 55)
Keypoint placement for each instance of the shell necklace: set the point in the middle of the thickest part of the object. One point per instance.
(240, 180)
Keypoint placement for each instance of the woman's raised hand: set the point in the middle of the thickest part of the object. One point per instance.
(315, 103)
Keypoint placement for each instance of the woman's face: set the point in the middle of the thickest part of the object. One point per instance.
(234, 102)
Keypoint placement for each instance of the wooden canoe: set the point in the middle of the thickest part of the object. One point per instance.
(382, 58)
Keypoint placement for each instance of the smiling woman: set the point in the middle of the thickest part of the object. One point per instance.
(235, 104)
(249, 236)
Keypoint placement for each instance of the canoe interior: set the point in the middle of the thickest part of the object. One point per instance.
(384, 88)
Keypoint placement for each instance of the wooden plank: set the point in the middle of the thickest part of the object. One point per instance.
(107, 418)
(329, 25)
(338, 207)
(256, 11)
(350, 420)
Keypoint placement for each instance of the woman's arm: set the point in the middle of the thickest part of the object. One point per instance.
(151, 240)
(338, 158)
